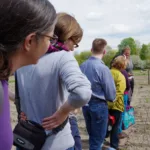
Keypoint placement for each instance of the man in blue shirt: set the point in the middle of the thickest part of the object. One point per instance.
(103, 90)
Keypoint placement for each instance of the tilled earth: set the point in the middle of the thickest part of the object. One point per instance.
(139, 134)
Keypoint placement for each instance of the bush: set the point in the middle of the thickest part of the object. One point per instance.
(147, 62)
(83, 56)
(109, 56)
(138, 63)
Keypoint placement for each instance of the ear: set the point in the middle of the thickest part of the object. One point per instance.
(29, 40)
(104, 52)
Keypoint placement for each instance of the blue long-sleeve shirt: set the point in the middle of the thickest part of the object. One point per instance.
(102, 82)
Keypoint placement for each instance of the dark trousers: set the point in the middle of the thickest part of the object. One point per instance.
(96, 119)
(132, 85)
(114, 140)
(75, 133)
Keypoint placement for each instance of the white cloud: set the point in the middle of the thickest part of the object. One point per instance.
(94, 16)
(110, 19)
(119, 28)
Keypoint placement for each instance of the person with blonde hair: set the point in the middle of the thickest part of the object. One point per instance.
(54, 87)
(117, 107)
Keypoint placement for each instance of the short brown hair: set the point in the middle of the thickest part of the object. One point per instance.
(119, 62)
(98, 45)
(67, 27)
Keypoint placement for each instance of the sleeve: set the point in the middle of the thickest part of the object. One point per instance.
(127, 80)
(121, 85)
(77, 84)
(108, 85)
(1, 96)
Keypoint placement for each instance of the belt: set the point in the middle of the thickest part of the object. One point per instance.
(98, 100)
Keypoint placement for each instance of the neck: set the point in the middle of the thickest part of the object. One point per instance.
(99, 56)
(16, 62)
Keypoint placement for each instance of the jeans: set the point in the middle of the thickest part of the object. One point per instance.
(125, 104)
(96, 119)
(75, 133)
(72, 148)
(114, 139)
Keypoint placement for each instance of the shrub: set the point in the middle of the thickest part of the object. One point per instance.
(138, 63)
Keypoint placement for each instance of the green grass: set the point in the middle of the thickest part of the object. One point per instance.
(140, 73)
(11, 81)
(147, 100)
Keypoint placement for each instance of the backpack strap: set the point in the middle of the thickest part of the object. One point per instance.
(17, 97)
(1, 96)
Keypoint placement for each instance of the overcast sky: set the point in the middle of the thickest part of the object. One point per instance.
(109, 19)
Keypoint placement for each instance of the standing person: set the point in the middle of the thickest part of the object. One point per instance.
(22, 24)
(75, 130)
(42, 87)
(125, 98)
(129, 68)
(103, 90)
(117, 107)
(126, 51)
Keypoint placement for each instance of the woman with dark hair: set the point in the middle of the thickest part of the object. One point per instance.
(55, 86)
(26, 28)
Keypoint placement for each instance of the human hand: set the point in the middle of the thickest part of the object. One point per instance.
(23, 116)
(58, 117)
(55, 120)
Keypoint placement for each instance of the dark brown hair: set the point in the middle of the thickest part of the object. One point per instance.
(19, 18)
(98, 45)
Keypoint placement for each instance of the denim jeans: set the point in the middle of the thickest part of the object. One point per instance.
(96, 119)
(114, 139)
(72, 148)
(75, 133)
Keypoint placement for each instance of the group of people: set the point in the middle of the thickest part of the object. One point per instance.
(111, 93)
(35, 46)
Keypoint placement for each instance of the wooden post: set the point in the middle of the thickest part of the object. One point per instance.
(148, 76)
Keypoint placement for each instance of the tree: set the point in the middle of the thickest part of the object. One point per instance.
(108, 57)
(128, 42)
(138, 46)
(144, 52)
(83, 56)
(108, 48)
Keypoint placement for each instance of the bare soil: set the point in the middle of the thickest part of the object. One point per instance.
(139, 134)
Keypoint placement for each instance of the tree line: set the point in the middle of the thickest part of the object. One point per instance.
(140, 53)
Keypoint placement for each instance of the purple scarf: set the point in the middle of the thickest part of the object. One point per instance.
(59, 46)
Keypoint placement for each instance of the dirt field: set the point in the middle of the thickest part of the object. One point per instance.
(139, 134)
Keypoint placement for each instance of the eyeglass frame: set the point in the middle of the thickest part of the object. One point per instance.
(75, 44)
(51, 38)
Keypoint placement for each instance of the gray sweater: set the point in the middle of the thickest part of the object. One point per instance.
(42, 91)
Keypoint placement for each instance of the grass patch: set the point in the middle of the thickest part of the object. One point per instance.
(140, 73)
(11, 81)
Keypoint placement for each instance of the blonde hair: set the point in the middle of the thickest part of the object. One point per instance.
(119, 62)
(67, 27)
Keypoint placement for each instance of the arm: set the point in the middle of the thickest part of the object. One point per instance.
(124, 72)
(108, 85)
(79, 89)
(77, 84)
(1, 96)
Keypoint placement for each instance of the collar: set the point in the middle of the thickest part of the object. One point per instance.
(95, 58)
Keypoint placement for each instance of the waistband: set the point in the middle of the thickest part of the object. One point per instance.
(97, 100)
